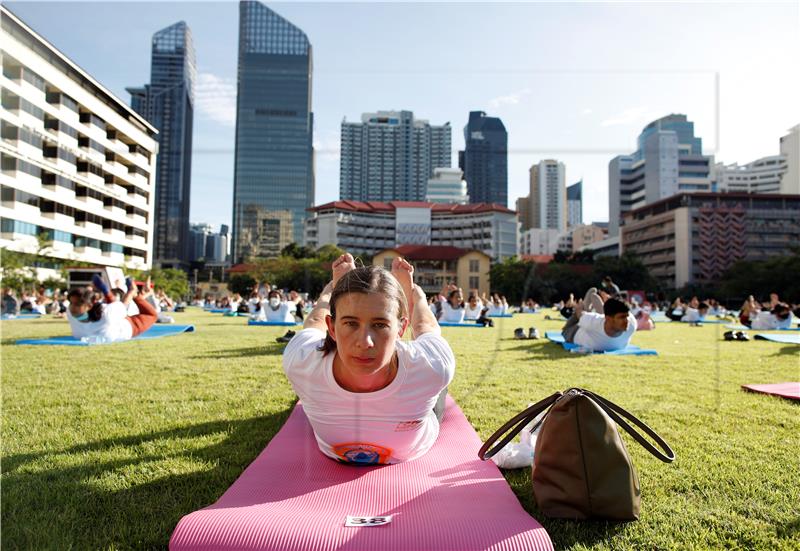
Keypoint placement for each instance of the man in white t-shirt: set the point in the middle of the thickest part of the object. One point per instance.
(780, 317)
(370, 397)
(611, 330)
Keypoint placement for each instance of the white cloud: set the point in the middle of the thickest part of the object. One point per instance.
(215, 98)
(587, 111)
(635, 115)
(327, 146)
(509, 99)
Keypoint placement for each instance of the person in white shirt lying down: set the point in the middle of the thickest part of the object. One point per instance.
(780, 317)
(370, 397)
(276, 310)
(610, 330)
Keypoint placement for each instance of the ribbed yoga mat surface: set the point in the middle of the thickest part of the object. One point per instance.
(294, 498)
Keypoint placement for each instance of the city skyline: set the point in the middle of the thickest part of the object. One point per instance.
(576, 102)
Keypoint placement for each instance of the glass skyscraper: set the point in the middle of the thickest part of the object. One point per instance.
(273, 182)
(168, 103)
(485, 159)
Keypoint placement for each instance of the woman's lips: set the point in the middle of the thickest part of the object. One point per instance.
(364, 360)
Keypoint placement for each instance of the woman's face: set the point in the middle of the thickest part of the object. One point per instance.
(366, 330)
(456, 298)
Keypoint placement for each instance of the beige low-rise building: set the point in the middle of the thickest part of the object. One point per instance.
(435, 266)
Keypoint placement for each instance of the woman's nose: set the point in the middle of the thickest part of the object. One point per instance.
(365, 339)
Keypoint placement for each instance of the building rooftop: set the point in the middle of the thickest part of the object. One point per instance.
(430, 252)
(392, 206)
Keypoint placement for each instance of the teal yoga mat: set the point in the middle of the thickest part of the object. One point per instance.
(274, 323)
(777, 337)
(630, 350)
(155, 332)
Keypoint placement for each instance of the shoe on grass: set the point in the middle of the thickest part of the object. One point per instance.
(729, 336)
(519, 333)
(287, 337)
(742, 336)
(533, 333)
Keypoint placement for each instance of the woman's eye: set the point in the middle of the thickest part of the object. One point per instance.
(381, 325)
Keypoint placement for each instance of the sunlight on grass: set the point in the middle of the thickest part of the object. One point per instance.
(107, 447)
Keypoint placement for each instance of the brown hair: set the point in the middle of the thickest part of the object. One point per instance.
(366, 280)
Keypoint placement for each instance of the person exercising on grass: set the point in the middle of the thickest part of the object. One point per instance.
(371, 397)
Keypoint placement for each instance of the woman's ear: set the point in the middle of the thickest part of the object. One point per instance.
(403, 327)
(329, 321)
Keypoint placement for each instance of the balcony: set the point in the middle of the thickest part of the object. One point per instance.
(91, 202)
(90, 227)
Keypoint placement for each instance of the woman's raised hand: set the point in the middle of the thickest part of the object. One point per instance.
(341, 266)
(403, 271)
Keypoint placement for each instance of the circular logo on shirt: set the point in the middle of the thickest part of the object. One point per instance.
(363, 454)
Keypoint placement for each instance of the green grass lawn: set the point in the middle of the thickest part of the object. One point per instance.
(107, 447)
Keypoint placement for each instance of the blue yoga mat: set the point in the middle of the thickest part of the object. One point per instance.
(274, 323)
(155, 332)
(26, 316)
(451, 324)
(502, 316)
(630, 350)
(745, 328)
(218, 310)
(785, 339)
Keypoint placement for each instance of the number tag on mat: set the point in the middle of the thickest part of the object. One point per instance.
(368, 521)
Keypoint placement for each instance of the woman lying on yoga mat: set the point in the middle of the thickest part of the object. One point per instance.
(371, 398)
(108, 321)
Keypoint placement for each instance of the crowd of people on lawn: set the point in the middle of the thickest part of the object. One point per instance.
(351, 351)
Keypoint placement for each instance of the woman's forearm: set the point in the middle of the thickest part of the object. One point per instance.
(422, 318)
(316, 319)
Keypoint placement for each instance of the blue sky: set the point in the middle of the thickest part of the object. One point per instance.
(571, 81)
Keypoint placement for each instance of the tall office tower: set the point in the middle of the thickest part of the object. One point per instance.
(548, 208)
(168, 103)
(575, 204)
(390, 155)
(669, 160)
(523, 209)
(485, 159)
(274, 158)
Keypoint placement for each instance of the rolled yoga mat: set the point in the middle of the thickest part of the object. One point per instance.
(784, 390)
(155, 332)
(292, 497)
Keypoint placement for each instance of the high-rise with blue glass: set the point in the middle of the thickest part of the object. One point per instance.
(485, 159)
(669, 160)
(168, 103)
(273, 182)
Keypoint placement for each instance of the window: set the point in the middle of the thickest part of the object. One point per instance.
(474, 281)
(387, 263)
(474, 266)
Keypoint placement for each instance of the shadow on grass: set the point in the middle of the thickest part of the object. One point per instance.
(65, 507)
(788, 350)
(564, 533)
(275, 349)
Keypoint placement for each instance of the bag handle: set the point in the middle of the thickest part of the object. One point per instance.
(617, 414)
(520, 420)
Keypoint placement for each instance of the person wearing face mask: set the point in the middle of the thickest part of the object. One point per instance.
(108, 321)
(275, 309)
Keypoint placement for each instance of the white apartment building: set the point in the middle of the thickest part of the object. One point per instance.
(447, 186)
(77, 163)
(548, 195)
(373, 226)
(761, 176)
(790, 149)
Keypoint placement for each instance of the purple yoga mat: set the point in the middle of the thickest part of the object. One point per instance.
(294, 498)
(784, 390)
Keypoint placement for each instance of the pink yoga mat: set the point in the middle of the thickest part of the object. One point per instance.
(784, 390)
(294, 498)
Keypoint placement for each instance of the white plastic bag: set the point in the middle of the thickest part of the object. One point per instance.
(516, 455)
